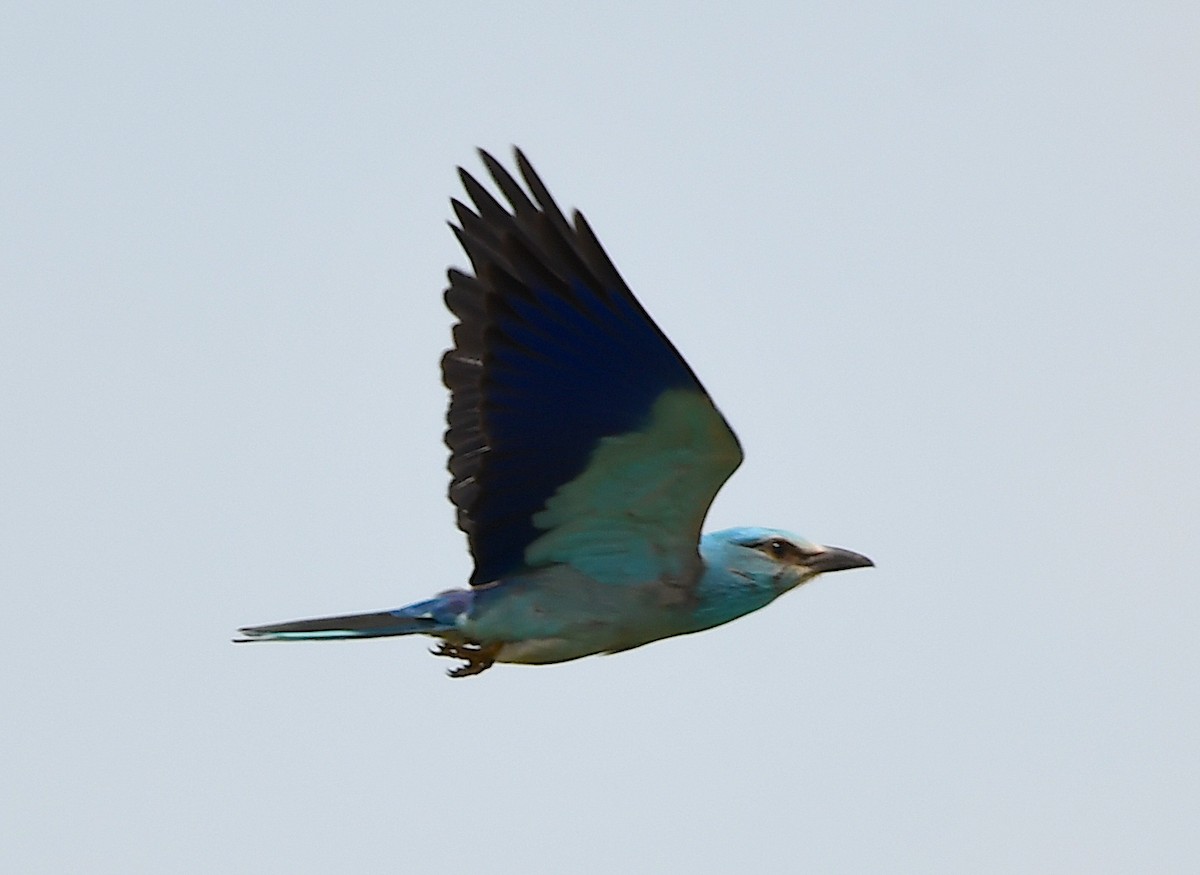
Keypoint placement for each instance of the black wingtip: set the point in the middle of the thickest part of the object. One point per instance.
(523, 163)
(488, 159)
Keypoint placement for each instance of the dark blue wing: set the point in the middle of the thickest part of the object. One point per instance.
(554, 360)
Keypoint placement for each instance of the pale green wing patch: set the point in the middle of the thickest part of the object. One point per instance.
(634, 513)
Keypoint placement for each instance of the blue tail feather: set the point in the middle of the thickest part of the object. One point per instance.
(439, 614)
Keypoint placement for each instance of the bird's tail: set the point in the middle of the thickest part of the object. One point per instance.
(439, 614)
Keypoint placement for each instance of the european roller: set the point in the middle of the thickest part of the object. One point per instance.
(584, 455)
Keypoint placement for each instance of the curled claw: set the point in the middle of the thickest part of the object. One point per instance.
(477, 657)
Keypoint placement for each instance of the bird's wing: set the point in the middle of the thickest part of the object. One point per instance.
(577, 433)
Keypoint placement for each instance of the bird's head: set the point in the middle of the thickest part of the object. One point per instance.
(781, 558)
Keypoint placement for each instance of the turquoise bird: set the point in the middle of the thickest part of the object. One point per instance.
(584, 455)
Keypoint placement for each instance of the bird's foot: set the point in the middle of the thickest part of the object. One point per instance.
(478, 657)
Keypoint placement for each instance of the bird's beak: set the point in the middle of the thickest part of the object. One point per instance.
(837, 559)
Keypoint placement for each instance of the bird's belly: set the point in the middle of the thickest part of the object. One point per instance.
(538, 622)
(542, 651)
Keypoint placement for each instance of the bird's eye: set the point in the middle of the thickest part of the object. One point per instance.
(779, 549)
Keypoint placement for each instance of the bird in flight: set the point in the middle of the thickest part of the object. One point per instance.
(584, 455)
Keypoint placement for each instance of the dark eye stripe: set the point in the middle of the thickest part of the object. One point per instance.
(780, 549)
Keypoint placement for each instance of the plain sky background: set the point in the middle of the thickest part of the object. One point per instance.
(936, 262)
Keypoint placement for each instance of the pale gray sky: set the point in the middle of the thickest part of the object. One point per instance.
(938, 265)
